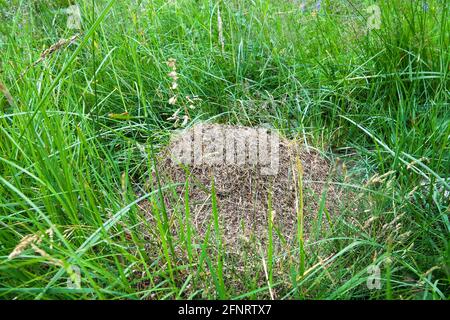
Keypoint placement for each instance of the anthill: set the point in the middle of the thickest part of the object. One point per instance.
(253, 170)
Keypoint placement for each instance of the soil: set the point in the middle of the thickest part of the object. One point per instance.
(247, 173)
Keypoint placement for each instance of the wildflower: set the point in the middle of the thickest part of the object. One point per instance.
(173, 100)
(185, 120)
(173, 74)
(303, 6)
(172, 63)
(175, 115)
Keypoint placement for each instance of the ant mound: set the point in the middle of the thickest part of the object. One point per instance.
(249, 180)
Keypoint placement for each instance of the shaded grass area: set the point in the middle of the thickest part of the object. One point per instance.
(85, 123)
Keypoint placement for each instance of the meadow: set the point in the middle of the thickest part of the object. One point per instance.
(86, 104)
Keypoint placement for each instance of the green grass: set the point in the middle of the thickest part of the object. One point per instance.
(72, 160)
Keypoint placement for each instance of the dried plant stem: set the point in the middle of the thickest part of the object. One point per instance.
(49, 51)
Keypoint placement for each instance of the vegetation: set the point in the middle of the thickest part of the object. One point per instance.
(80, 124)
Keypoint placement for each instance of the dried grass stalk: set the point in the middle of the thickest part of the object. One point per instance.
(5, 91)
(49, 51)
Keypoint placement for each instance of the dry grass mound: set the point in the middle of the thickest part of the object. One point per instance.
(252, 169)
